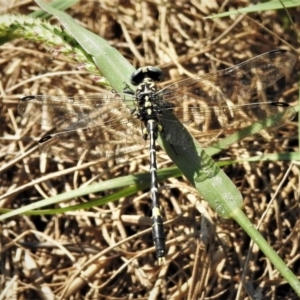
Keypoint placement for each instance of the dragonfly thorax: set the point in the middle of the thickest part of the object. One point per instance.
(145, 95)
(147, 101)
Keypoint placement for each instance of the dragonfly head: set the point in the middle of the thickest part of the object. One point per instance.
(140, 74)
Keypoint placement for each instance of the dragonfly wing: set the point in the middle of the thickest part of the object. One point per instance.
(236, 84)
(93, 143)
(88, 127)
(71, 113)
(221, 103)
(208, 126)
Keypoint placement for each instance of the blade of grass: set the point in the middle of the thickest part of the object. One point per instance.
(113, 66)
(288, 156)
(58, 4)
(270, 5)
(136, 182)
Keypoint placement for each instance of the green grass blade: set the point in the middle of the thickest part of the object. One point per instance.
(136, 182)
(269, 122)
(58, 4)
(288, 156)
(263, 245)
(113, 66)
(270, 5)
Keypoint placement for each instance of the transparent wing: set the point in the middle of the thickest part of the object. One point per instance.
(88, 127)
(223, 102)
(70, 113)
(93, 143)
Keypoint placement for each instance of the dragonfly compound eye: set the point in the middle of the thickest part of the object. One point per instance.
(140, 74)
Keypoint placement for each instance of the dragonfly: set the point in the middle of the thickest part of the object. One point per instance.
(105, 125)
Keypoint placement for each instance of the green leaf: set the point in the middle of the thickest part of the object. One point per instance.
(58, 4)
(270, 5)
(136, 182)
(113, 66)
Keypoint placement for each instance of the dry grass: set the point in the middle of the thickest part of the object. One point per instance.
(174, 36)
